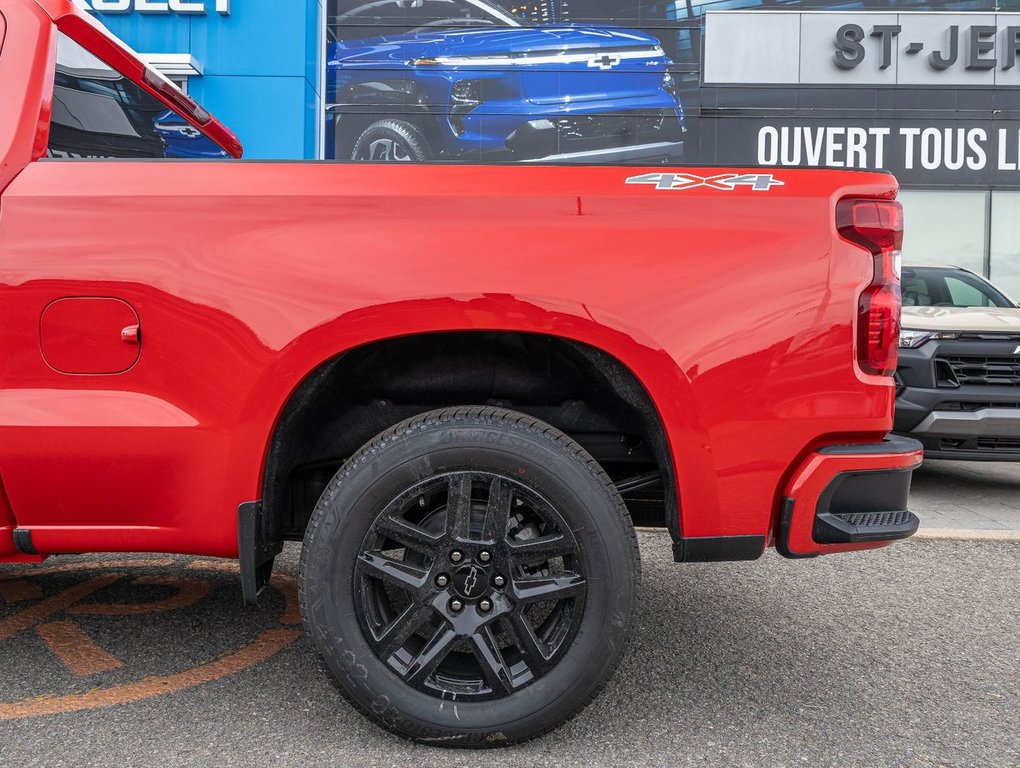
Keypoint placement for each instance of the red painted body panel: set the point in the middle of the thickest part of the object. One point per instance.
(734, 309)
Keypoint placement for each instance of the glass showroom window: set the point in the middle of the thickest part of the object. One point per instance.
(945, 228)
(1005, 245)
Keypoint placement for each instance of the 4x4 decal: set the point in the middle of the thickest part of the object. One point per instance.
(727, 182)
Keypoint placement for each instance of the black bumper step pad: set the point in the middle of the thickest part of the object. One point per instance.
(848, 527)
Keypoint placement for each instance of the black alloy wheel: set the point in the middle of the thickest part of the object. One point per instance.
(469, 577)
(469, 584)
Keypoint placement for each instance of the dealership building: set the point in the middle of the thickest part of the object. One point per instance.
(927, 90)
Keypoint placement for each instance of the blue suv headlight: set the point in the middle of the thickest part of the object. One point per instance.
(669, 85)
(464, 96)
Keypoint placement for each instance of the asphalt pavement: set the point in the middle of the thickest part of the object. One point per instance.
(907, 656)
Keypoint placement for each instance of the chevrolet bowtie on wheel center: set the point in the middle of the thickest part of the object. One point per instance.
(460, 421)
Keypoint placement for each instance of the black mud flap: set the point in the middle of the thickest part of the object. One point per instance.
(257, 548)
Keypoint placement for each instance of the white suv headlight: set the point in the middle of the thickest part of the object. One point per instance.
(911, 338)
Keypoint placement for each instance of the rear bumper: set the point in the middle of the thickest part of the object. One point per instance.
(849, 497)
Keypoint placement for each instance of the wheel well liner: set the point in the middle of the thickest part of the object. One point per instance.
(352, 397)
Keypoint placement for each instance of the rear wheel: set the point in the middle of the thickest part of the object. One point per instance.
(469, 577)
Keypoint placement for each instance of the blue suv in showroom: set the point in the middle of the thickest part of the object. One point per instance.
(418, 80)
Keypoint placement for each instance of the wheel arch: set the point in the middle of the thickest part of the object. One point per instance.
(362, 103)
(628, 372)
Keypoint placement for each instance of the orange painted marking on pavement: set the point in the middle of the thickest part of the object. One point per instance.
(76, 650)
(91, 565)
(29, 617)
(16, 590)
(264, 646)
(215, 565)
(287, 586)
(189, 592)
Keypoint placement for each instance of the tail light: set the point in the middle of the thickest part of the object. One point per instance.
(876, 225)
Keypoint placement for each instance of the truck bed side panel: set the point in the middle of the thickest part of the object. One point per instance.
(734, 309)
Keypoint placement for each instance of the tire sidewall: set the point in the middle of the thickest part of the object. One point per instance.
(407, 134)
(580, 496)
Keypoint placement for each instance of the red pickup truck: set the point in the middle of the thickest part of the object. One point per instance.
(458, 385)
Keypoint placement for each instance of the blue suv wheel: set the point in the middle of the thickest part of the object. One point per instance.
(391, 141)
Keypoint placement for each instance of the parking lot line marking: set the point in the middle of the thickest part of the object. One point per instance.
(264, 646)
(16, 590)
(968, 534)
(29, 617)
(189, 592)
(76, 650)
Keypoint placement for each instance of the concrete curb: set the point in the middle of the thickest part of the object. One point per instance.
(968, 534)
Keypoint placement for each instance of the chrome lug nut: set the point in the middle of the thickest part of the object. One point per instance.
(484, 556)
(485, 605)
(498, 581)
(442, 580)
(456, 556)
(456, 605)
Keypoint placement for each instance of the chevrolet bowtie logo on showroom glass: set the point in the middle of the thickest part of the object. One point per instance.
(605, 61)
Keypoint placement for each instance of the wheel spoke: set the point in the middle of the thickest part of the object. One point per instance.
(497, 510)
(557, 587)
(431, 655)
(408, 534)
(494, 668)
(395, 634)
(400, 574)
(458, 506)
(541, 548)
(532, 649)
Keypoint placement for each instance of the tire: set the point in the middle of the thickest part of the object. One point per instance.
(390, 630)
(392, 141)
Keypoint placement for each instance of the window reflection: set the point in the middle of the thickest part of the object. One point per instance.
(945, 228)
(1005, 245)
(98, 113)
